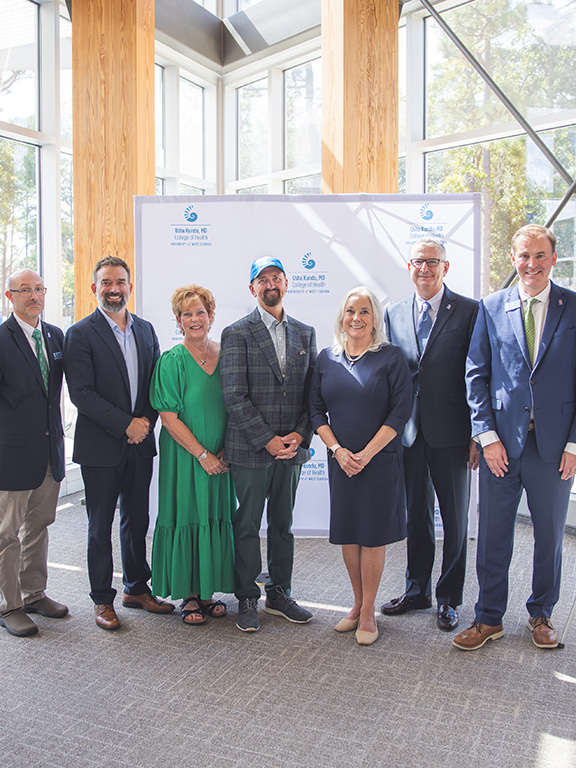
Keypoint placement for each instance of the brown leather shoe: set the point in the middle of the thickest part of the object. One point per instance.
(543, 633)
(148, 602)
(105, 616)
(476, 635)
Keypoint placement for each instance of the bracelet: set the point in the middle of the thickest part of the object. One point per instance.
(202, 455)
(332, 450)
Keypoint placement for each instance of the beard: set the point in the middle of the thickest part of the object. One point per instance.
(109, 306)
(271, 297)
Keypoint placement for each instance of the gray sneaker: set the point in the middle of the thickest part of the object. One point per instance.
(281, 604)
(248, 620)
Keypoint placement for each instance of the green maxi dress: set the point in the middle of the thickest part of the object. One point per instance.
(193, 549)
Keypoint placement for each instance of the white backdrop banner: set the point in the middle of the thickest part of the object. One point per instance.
(327, 243)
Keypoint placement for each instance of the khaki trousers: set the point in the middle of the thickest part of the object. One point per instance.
(24, 520)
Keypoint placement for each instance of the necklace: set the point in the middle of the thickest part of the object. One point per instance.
(205, 356)
(353, 358)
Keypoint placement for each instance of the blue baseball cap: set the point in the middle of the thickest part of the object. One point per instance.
(260, 264)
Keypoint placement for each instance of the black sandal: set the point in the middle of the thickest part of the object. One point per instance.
(208, 608)
(185, 613)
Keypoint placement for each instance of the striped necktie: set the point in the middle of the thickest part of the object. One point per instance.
(37, 336)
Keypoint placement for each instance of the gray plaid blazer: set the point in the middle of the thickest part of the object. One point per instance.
(261, 403)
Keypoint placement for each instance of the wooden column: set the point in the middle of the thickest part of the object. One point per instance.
(360, 96)
(113, 98)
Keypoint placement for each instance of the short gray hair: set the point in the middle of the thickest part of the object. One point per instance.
(433, 243)
(378, 339)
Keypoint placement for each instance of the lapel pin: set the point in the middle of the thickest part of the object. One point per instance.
(302, 352)
(560, 302)
(448, 306)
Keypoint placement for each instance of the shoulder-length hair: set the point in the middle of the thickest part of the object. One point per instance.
(378, 339)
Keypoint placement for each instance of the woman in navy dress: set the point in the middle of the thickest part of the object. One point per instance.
(360, 400)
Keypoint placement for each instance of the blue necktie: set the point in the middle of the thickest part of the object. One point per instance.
(424, 326)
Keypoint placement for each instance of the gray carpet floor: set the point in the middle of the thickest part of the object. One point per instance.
(158, 693)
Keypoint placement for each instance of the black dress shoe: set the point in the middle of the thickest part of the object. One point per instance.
(447, 618)
(404, 604)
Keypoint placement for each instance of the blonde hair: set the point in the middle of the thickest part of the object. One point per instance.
(533, 231)
(378, 339)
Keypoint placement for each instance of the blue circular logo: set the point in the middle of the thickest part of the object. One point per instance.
(426, 213)
(308, 262)
(189, 214)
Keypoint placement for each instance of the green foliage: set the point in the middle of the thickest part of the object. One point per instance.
(536, 68)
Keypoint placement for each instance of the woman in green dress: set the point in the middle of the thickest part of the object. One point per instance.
(193, 550)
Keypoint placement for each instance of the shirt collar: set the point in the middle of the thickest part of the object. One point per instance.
(26, 327)
(434, 301)
(543, 296)
(113, 324)
(268, 320)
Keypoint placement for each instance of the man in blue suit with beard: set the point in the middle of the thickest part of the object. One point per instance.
(109, 357)
(521, 382)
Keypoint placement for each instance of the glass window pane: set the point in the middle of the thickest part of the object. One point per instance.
(65, 79)
(18, 211)
(528, 48)
(244, 4)
(191, 128)
(261, 189)
(303, 110)
(159, 115)
(402, 87)
(19, 63)
(305, 185)
(402, 175)
(517, 185)
(67, 212)
(186, 189)
(253, 129)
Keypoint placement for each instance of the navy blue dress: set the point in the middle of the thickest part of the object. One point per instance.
(368, 509)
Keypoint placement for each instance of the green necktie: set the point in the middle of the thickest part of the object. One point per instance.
(529, 328)
(37, 336)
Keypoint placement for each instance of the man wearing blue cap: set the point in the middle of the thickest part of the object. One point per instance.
(266, 365)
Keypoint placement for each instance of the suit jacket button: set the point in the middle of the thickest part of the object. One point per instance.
(526, 408)
(283, 394)
(47, 434)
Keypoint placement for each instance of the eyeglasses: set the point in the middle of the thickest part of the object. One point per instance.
(429, 262)
(29, 291)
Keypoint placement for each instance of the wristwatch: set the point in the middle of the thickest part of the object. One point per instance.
(333, 448)
(202, 455)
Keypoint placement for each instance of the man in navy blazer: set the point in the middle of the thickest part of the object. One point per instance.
(433, 328)
(109, 357)
(266, 367)
(521, 381)
(31, 453)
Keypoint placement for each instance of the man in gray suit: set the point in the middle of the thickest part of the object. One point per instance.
(266, 366)
(433, 328)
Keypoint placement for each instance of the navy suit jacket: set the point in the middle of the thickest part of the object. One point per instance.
(439, 406)
(503, 387)
(99, 387)
(261, 403)
(30, 422)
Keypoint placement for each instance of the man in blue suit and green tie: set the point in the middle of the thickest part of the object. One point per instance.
(521, 383)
